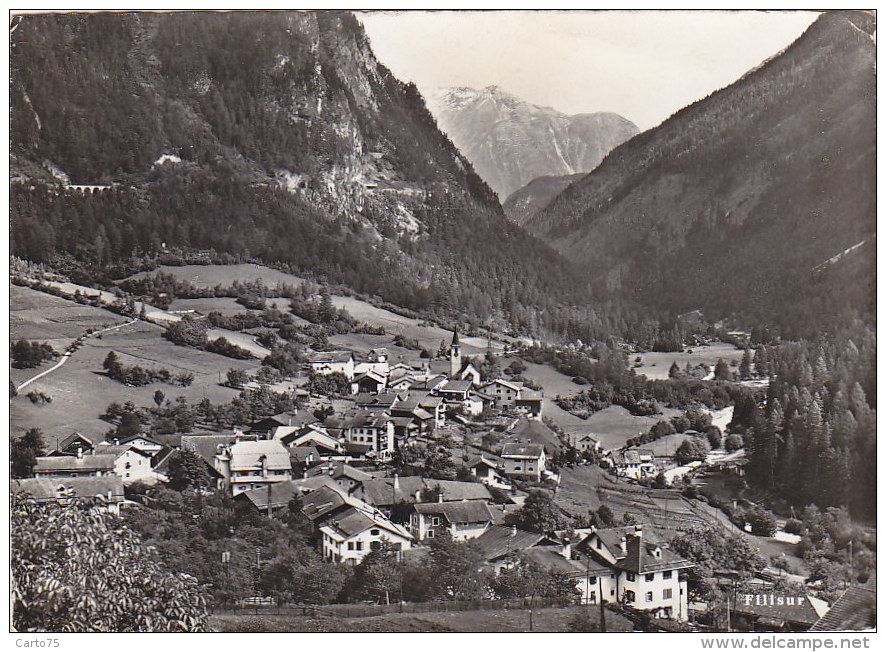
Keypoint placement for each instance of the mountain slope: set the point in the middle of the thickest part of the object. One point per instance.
(510, 142)
(733, 202)
(274, 136)
(535, 195)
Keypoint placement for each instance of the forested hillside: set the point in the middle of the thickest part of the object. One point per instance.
(268, 136)
(735, 203)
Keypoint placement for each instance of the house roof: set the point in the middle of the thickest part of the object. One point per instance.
(372, 374)
(803, 610)
(462, 511)
(516, 386)
(380, 491)
(452, 490)
(48, 489)
(456, 386)
(549, 557)
(301, 454)
(530, 395)
(645, 557)
(523, 451)
(340, 470)
(74, 463)
(206, 446)
(118, 449)
(332, 356)
(498, 541)
(536, 432)
(355, 520)
(477, 460)
(249, 455)
(323, 501)
(365, 399)
(854, 610)
(66, 441)
(611, 537)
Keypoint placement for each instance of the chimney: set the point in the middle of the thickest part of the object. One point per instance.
(624, 546)
(79, 452)
(513, 530)
(567, 548)
(116, 442)
(638, 531)
(396, 482)
(440, 496)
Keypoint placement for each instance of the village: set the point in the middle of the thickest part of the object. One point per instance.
(367, 470)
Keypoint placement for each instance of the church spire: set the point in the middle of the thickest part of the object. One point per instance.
(454, 355)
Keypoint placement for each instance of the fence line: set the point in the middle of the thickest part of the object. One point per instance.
(367, 610)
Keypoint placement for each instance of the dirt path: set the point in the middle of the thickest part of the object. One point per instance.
(67, 354)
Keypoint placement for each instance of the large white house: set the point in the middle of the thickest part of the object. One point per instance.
(329, 362)
(648, 575)
(248, 465)
(462, 520)
(524, 460)
(130, 463)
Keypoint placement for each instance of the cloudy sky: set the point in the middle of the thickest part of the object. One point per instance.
(643, 65)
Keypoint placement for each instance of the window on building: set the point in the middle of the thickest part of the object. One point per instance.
(667, 575)
(592, 597)
(629, 596)
(430, 534)
(649, 596)
(631, 577)
(358, 545)
(667, 594)
(128, 465)
(435, 520)
(350, 545)
(373, 532)
(650, 577)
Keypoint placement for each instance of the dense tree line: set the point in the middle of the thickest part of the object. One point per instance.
(813, 435)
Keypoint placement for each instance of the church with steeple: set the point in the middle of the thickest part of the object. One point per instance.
(454, 356)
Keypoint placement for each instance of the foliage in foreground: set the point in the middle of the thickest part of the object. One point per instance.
(76, 569)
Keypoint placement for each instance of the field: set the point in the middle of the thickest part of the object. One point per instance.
(655, 366)
(613, 426)
(39, 316)
(79, 394)
(510, 620)
(208, 276)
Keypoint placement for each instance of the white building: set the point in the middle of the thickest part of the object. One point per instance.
(130, 463)
(462, 519)
(249, 465)
(524, 460)
(350, 535)
(329, 362)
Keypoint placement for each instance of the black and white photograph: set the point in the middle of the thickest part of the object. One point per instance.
(428, 321)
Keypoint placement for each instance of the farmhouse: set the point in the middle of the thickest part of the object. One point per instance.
(371, 382)
(486, 471)
(524, 460)
(353, 533)
(250, 464)
(504, 393)
(634, 463)
(71, 444)
(107, 491)
(74, 466)
(130, 463)
(500, 545)
(464, 519)
(330, 362)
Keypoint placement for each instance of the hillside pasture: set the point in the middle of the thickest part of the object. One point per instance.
(655, 365)
(80, 394)
(208, 276)
(613, 426)
(224, 305)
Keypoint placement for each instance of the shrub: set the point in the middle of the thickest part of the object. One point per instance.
(580, 380)
(793, 526)
(26, 355)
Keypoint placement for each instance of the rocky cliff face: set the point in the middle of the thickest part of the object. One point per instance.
(510, 142)
(265, 135)
(734, 203)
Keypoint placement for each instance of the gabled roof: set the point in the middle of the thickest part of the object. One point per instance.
(452, 490)
(354, 520)
(611, 537)
(340, 470)
(456, 386)
(515, 386)
(206, 446)
(380, 491)
(522, 451)
(372, 374)
(536, 432)
(462, 511)
(326, 357)
(118, 449)
(250, 455)
(322, 501)
(365, 399)
(550, 558)
(109, 487)
(301, 454)
(803, 610)
(645, 557)
(66, 463)
(855, 610)
(498, 541)
(66, 441)
(481, 460)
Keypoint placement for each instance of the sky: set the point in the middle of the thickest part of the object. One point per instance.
(643, 65)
